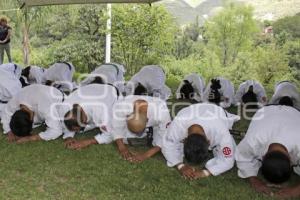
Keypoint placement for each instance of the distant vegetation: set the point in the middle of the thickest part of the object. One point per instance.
(231, 44)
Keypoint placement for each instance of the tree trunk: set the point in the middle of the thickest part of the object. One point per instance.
(26, 50)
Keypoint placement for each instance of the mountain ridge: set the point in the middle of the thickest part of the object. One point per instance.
(186, 11)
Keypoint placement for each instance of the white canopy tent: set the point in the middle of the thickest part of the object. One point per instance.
(32, 3)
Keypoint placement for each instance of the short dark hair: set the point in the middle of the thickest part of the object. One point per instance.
(71, 118)
(21, 124)
(140, 90)
(48, 82)
(286, 101)
(97, 80)
(23, 81)
(214, 91)
(187, 91)
(276, 167)
(196, 148)
(250, 97)
(26, 71)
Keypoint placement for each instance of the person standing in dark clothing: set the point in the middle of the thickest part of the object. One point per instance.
(5, 34)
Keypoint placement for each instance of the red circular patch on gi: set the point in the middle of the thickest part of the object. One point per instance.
(226, 151)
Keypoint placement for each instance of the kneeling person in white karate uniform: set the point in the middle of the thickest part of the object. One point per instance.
(33, 105)
(9, 87)
(220, 91)
(251, 92)
(13, 68)
(87, 108)
(272, 146)
(194, 132)
(286, 93)
(110, 73)
(60, 75)
(150, 80)
(33, 74)
(192, 87)
(139, 117)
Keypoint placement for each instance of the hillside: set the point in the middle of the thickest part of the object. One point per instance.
(186, 11)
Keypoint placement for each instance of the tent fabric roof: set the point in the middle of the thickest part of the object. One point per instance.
(30, 3)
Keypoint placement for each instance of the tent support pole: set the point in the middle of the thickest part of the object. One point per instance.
(108, 36)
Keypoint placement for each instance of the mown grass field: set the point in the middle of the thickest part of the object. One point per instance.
(46, 170)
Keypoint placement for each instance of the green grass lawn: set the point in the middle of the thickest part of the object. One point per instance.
(46, 170)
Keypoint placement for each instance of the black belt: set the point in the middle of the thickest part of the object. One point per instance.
(117, 90)
(149, 136)
(115, 66)
(16, 67)
(68, 64)
(3, 102)
(63, 96)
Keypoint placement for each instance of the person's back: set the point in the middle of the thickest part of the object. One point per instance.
(96, 101)
(60, 75)
(110, 73)
(192, 83)
(35, 75)
(250, 91)
(9, 87)
(223, 96)
(286, 89)
(12, 68)
(153, 78)
(39, 99)
(273, 124)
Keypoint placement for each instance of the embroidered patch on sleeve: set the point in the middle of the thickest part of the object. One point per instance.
(227, 151)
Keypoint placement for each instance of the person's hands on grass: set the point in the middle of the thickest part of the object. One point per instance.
(11, 137)
(81, 144)
(190, 173)
(138, 158)
(126, 154)
(259, 186)
(289, 192)
(69, 141)
(26, 139)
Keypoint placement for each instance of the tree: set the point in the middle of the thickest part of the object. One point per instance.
(292, 49)
(290, 25)
(187, 40)
(142, 35)
(231, 32)
(79, 36)
(271, 66)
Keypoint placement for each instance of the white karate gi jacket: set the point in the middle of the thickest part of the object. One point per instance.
(153, 78)
(216, 123)
(13, 69)
(258, 89)
(198, 84)
(97, 102)
(286, 89)
(61, 74)
(227, 91)
(157, 114)
(9, 87)
(36, 75)
(110, 73)
(271, 124)
(42, 100)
